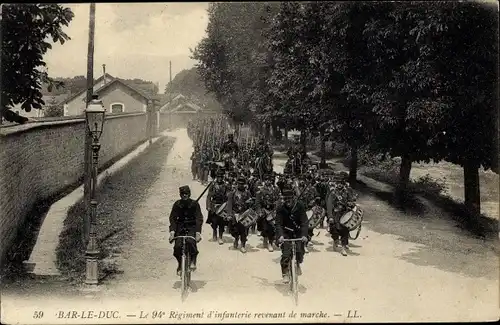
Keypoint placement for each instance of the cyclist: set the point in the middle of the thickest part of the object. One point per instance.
(185, 220)
(291, 223)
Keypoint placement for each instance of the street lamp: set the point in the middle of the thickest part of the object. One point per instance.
(94, 117)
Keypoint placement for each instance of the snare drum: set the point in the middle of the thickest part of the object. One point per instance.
(352, 219)
(247, 218)
(317, 215)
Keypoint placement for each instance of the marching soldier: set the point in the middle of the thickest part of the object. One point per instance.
(195, 162)
(343, 201)
(217, 195)
(230, 147)
(291, 223)
(264, 148)
(268, 198)
(185, 220)
(238, 202)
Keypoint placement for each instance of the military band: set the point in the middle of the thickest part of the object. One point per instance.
(246, 196)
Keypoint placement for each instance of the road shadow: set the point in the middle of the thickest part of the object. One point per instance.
(195, 285)
(317, 243)
(227, 239)
(439, 241)
(312, 249)
(409, 205)
(278, 285)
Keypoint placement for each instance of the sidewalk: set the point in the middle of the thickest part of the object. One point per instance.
(43, 259)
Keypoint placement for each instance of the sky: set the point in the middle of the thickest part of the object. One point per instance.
(134, 40)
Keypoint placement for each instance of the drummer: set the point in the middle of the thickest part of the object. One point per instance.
(238, 202)
(217, 195)
(268, 199)
(344, 196)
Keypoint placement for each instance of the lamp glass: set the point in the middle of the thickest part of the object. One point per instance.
(95, 118)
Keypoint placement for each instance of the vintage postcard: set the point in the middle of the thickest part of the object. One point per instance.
(249, 162)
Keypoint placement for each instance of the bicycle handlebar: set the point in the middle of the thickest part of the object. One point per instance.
(176, 237)
(290, 240)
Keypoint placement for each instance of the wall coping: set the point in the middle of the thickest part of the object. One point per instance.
(21, 128)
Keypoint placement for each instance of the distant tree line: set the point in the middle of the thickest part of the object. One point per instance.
(189, 83)
(416, 80)
(27, 33)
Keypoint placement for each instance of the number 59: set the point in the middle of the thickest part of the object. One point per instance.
(38, 314)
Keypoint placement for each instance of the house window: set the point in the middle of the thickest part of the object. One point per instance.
(117, 108)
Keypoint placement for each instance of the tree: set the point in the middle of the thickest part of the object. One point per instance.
(233, 56)
(53, 109)
(25, 28)
(467, 67)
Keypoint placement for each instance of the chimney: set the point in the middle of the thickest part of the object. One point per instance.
(104, 73)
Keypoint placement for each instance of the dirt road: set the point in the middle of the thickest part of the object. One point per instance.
(402, 268)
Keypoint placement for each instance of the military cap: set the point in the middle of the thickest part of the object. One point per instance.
(184, 189)
(219, 172)
(270, 176)
(288, 192)
(241, 180)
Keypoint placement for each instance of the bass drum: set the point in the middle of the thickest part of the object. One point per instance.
(356, 221)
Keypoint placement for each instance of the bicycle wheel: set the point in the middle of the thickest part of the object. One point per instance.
(183, 276)
(188, 273)
(294, 281)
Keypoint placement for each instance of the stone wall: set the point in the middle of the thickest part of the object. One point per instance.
(39, 160)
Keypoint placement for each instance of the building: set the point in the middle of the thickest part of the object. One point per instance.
(117, 97)
(180, 110)
(40, 113)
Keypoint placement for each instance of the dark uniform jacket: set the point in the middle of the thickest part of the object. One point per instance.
(237, 201)
(291, 224)
(230, 147)
(267, 198)
(217, 194)
(186, 217)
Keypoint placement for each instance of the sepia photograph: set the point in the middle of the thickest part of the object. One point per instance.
(249, 162)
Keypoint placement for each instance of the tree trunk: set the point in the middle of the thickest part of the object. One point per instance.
(353, 166)
(303, 140)
(267, 132)
(275, 131)
(322, 149)
(472, 192)
(404, 175)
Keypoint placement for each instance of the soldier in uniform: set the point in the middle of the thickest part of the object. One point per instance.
(204, 166)
(254, 184)
(185, 220)
(264, 148)
(195, 162)
(217, 194)
(268, 198)
(343, 201)
(230, 147)
(291, 223)
(238, 202)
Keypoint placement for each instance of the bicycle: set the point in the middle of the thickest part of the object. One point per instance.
(292, 270)
(185, 269)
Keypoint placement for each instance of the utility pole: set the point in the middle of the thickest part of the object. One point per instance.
(88, 155)
(170, 83)
(1, 32)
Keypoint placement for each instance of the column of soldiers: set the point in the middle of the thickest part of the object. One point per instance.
(243, 202)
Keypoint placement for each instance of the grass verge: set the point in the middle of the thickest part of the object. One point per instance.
(25, 240)
(435, 190)
(118, 196)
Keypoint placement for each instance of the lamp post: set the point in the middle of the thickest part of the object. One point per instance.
(94, 117)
